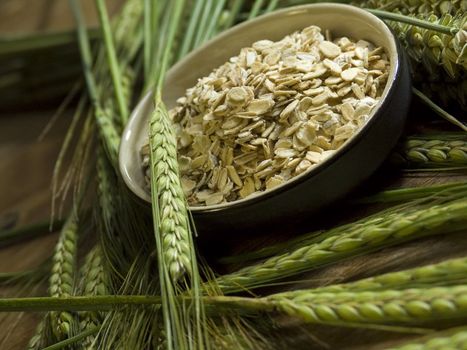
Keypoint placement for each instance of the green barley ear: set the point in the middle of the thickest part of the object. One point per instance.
(449, 272)
(93, 282)
(404, 307)
(112, 59)
(62, 279)
(36, 342)
(128, 82)
(402, 195)
(455, 338)
(439, 59)
(108, 134)
(168, 195)
(108, 225)
(448, 150)
(174, 242)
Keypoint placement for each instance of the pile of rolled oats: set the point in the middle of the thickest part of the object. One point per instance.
(273, 112)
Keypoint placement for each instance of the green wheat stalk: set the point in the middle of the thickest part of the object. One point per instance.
(452, 271)
(418, 6)
(426, 151)
(455, 339)
(406, 307)
(256, 8)
(362, 237)
(233, 13)
(387, 307)
(188, 38)
(169, 198)
(112, 57)
(93, 282)
(176, 255)
(410, 306)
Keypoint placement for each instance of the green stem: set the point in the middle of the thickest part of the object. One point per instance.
(202, 24)
(156, 10)
(214, 20)
(234, 11)
(414, 21)
(153, 43)
(255, 9)
(74, 339)
(85, 49)
(171, 311)
(175, 20)
(187, 43)
(111, 302)
(150, 28)
(438, 110)
(272, 5)
(74, 303)
(112, 59)
(162, 43)
(107, 129)
(147, 47)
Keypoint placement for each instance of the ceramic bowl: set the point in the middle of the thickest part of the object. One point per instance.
(300, 197)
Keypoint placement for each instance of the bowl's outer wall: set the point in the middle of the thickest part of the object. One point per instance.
(313, 194)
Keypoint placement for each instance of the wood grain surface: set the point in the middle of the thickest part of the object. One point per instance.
(26, 166)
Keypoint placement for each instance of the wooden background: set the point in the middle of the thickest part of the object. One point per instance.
(25, 172)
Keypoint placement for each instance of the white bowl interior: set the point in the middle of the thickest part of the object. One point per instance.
(341, 20)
